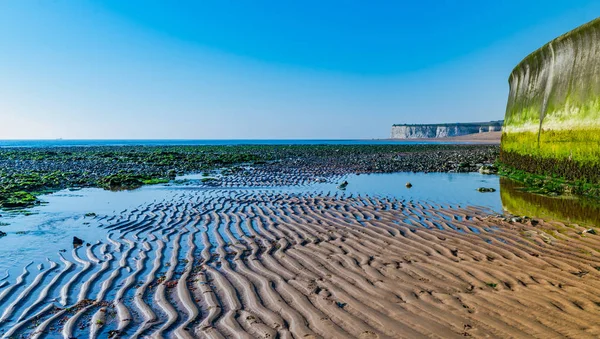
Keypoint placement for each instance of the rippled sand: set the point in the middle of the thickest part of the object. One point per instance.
(248, 264)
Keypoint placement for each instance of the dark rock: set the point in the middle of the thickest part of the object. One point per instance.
(580, 274)
(77, 242)
(129, 167)
(2, 234)
(486, 189)
(488, 169)
(408, 185)
(172, 174)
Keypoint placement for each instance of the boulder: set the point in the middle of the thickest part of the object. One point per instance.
(486, 189)
(488, 169)
(77, 242)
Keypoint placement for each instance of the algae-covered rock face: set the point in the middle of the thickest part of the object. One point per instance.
(552, 122)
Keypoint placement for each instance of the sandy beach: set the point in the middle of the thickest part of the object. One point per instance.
(486, 138)
(266, 264)
(277, 170)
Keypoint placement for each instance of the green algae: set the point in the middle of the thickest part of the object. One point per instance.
(17, 199)
(155, 181)
(121, 181)
(38, 171)
(549, 183)
(563, 169)
(578, 145)
(553, 110)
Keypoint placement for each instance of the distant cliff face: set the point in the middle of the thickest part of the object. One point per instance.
(443, 130)
(552, 122)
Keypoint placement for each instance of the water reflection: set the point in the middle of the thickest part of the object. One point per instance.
(569, 210)
(52, 226)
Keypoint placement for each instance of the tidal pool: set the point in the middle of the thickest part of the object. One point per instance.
(162, 231)
(570, 210)
(51, 226)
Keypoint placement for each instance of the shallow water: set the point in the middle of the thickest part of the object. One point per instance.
(52, 226)
(582, 211)
(164, 230)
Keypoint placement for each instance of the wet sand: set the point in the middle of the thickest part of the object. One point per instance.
(486, 138)
(265, 264)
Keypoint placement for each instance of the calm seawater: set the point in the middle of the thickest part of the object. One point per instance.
(51, 227)
(65, 143)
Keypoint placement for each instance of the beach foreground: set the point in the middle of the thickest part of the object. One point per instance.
(222, 263)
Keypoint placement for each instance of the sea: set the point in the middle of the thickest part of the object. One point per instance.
(210, 142)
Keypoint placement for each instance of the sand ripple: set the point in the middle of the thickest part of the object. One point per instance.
(265, 264)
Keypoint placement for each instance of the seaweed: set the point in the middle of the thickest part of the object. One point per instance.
(26, 173)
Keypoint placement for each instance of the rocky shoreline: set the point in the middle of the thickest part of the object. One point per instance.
(26, 173)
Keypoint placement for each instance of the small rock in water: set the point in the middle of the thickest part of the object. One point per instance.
(343, 185)
(2, 234)
(486, 189)
(408, 185)
(488, 169)
(77, 242)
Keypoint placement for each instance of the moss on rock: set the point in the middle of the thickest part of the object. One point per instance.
(552, 122)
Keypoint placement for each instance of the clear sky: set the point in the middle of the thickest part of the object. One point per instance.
(228, 69)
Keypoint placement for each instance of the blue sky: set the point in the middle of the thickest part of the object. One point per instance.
(262, 69)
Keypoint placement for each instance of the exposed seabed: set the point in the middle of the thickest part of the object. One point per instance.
(188, 261)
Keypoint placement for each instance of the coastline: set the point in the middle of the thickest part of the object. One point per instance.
(243, 252)
(481, 229)
(25, 173)
(486, 138)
